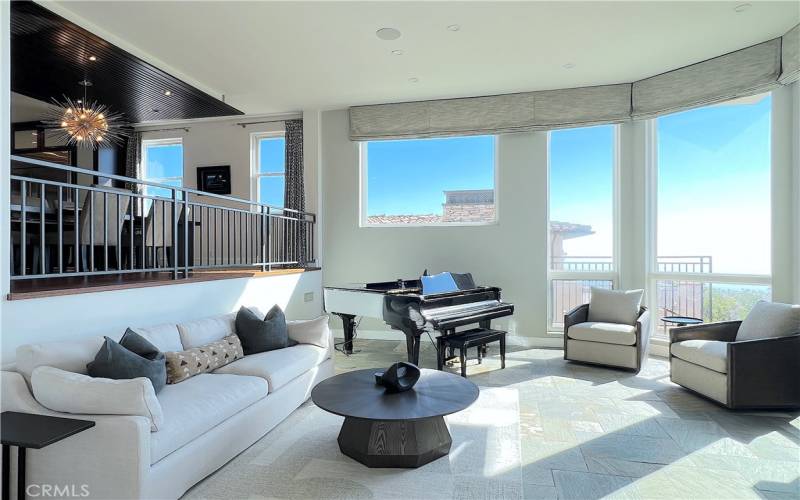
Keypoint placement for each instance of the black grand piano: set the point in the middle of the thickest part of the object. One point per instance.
(415, 308)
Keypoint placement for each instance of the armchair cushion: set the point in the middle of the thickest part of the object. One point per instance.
(607, 333)
(711, 354)
(314, 331)
(615, 306)
(770, 319)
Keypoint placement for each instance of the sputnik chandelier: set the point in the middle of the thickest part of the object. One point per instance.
(86, 123)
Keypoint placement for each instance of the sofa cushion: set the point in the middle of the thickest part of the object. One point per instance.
(166, 337)
(195, 406)
(69, 392)
(280, 366)
(184, 364)
(70, 356)
(133, 356)
(607, 333)
(615, 306)
(770, 319)
(711, 354)
(262, 333)
(314, 331)
(203, 331)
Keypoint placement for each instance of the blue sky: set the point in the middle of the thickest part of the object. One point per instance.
(273, 159)
(409, 177)
(714, 185)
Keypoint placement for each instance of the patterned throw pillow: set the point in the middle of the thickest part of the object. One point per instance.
(184, 364)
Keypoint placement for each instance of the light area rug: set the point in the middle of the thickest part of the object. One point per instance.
(300, 458)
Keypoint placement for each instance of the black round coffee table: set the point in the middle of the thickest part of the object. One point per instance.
(405, 429)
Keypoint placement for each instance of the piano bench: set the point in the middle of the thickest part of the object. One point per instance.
(476, 337)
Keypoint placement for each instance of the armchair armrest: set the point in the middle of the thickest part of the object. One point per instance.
(643, 329)
(724, 331)
(579, 314)
(765, 372)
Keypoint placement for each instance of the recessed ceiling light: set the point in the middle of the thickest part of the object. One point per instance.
(167, 92)
(453, 27)
(742, 7)
(568, 66)
(92, 58)
(388, 34)
(413, 79)
(397, 52)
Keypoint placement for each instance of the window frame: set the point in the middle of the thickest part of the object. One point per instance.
(255, 161)
(146, 143)
(613, 274)
(653, 276)
(364, 195)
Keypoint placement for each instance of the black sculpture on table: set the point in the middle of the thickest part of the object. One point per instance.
(399, 377)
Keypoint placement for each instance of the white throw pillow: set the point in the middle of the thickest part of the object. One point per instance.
(615, 306)
(70, 392)
(770, 319)
(314, 331)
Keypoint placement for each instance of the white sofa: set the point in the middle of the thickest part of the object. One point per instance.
(208, 419)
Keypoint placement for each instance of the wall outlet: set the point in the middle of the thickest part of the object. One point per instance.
(308, 297)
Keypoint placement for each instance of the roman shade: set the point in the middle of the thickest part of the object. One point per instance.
(790, 56)
(752, 70)
(745, 72)
(498, 114)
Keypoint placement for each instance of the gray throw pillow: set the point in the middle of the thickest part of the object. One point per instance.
(770, 319)
(261, 335)
(132, 357)
(615, 306)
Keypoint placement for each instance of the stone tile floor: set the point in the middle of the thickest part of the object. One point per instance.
(589, 432)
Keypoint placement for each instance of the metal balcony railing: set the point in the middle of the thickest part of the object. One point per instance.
(675, 298)
(60, 227)
(581, 263)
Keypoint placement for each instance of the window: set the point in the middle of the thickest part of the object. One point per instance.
(428, 182)
(162, 162)
(712, 210)
(582, 163)
(269, 168)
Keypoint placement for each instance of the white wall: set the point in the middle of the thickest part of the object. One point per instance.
(784, 216)
(101, 313)
(5, 149)
(795, 215)
(511, 254)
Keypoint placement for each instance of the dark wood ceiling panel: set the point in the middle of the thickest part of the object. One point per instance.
(50, 55)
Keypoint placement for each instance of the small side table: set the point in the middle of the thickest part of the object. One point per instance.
(681, 320)
(28, 430)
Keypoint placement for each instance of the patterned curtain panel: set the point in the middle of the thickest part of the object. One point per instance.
(294, 194)
(133, 153)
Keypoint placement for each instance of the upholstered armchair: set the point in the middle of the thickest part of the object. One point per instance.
(747, 364)
(592, 337)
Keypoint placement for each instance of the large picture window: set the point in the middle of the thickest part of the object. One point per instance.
(428, 182)
(582, 172)
(711, 211)
(162, 162)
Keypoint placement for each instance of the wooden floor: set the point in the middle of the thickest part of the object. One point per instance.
(49, 287)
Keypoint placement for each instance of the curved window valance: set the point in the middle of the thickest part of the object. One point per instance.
(748, 71)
